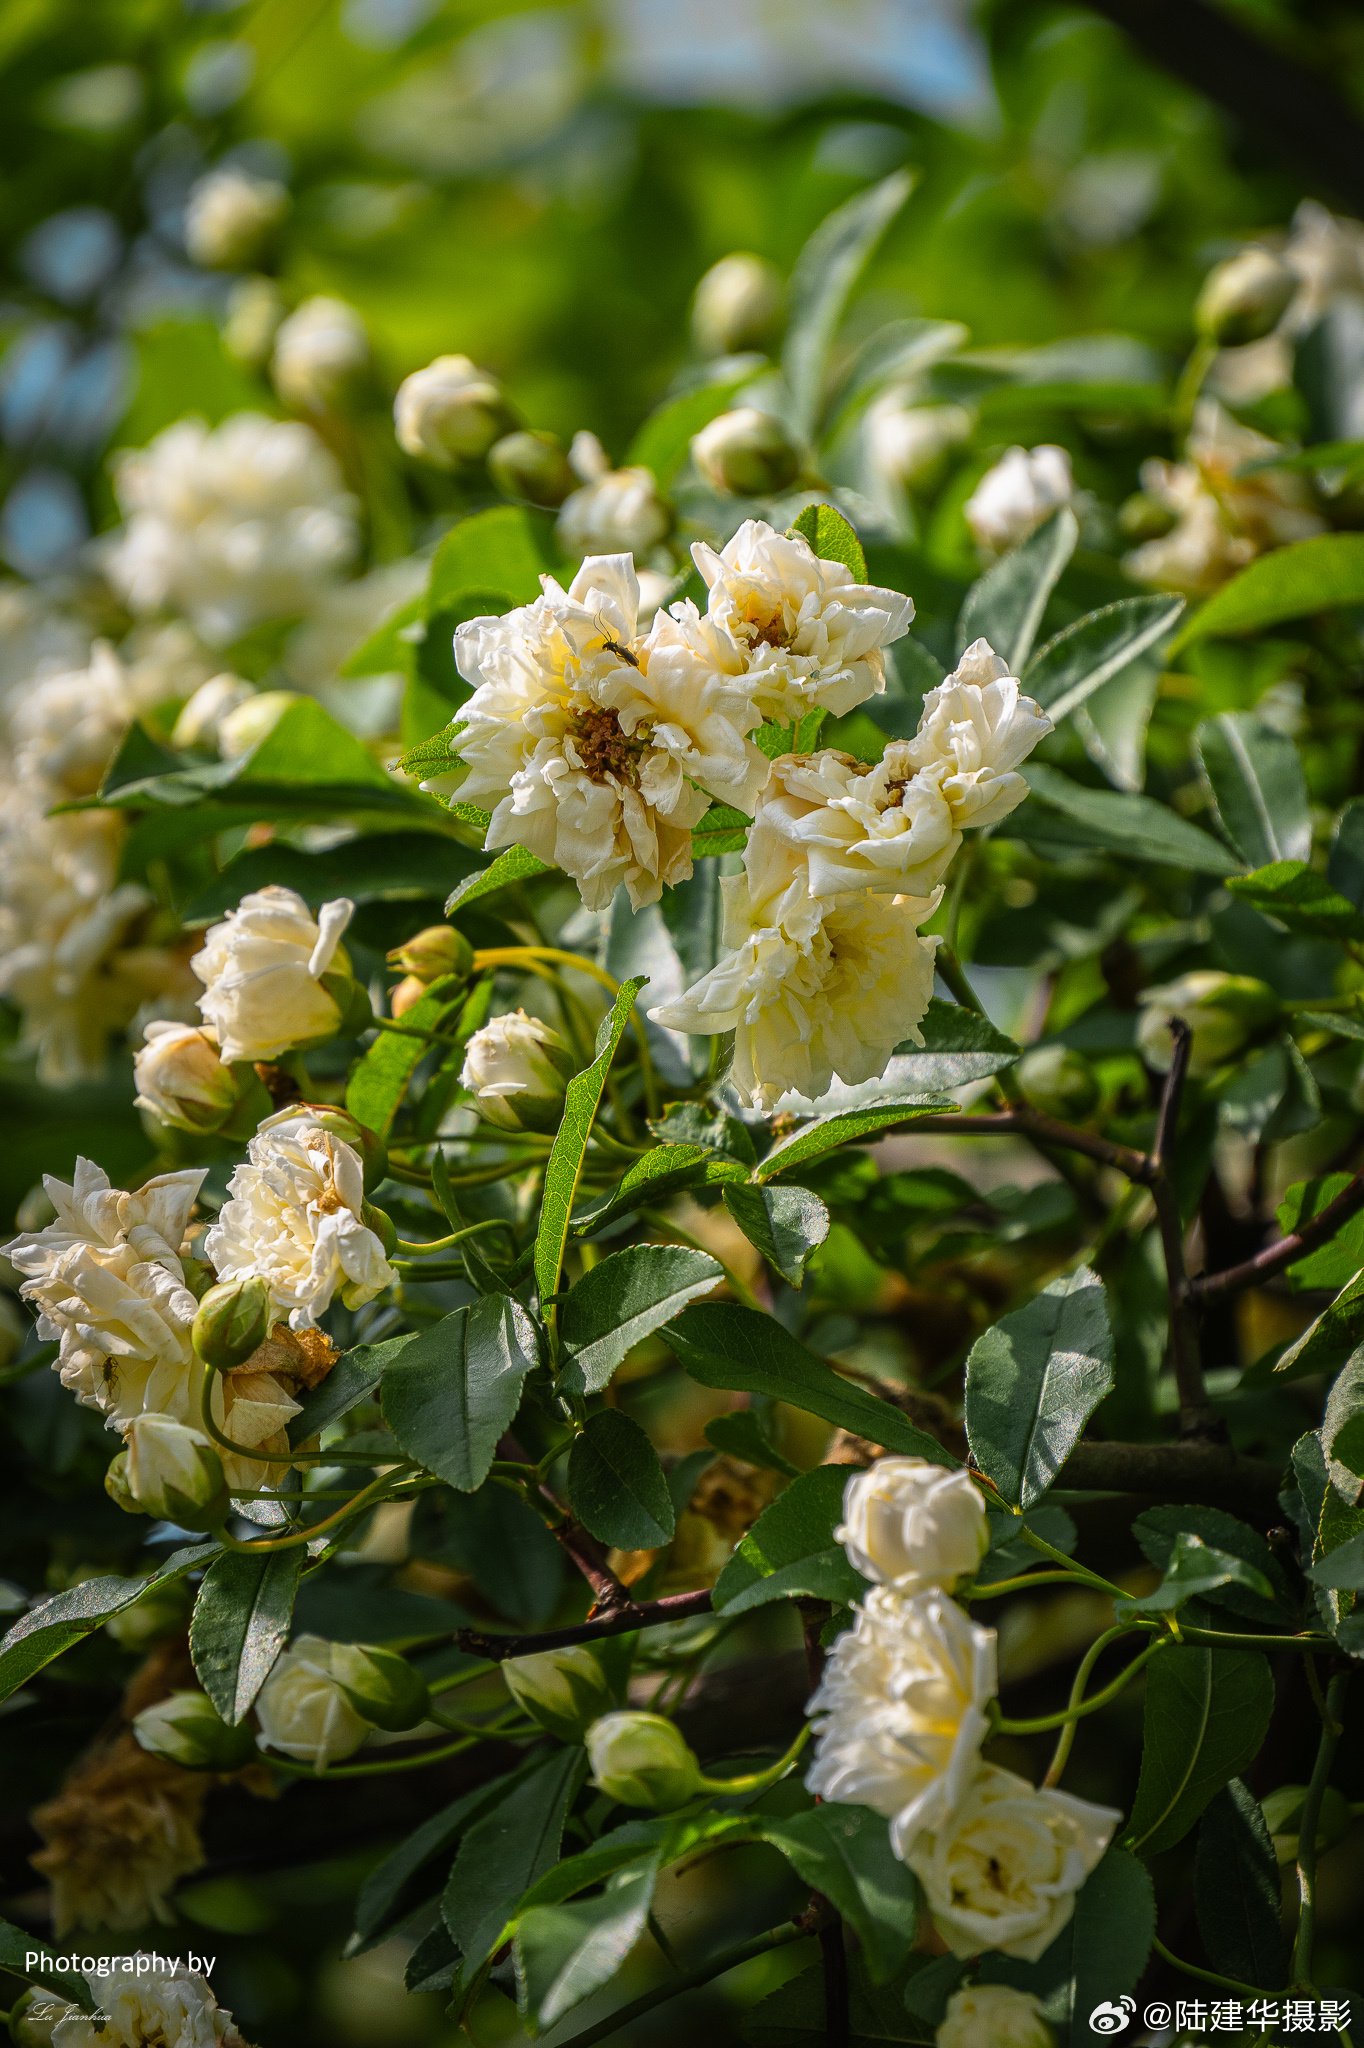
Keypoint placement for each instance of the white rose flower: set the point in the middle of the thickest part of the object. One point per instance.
(173, 2008)
(827, 825)
(900, 1712)
(906, 444)
(1014, 498)
(642, 1760)
(295, 1218)
(1326, 254)
(106, 1279)
(263, 972)
(173, 1471)
(1001, 1869)
(321, 354)
(831, 991)
(589, 743)
(232, 525)
(202, 714)
(994, 2016)
(450, 412)
(302, 1708)
(65, 729)
(798, 629)
(613, 511)
(976, 728)
(1223, 1012)
(181, 1078)
(516, 1069)
(911, 1525)
(229, 215)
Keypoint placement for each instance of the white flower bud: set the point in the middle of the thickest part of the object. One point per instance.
(254, 312)
(245, 724)
(321, 355)
(912, 1525)
(302, 1708)
(34, 2017)
(381, 1685)
(169, 1470)
(564, 1690)
(1223, 1013)
(433, 952)
(738, 306)
(274, 975)
(642, 1760)
(533, 468)
(1244, 298)
(181, 1079)
(618, 511)
(231, 1323)
(230, 215)
(201, 716)
(907, 444)
(1057, 1081)
(451, 412)
(994, 2016)
(187, 1729)
(1014, 498)
(516, 1069)
(747, 453)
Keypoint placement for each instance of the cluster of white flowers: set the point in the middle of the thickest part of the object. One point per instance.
(230, 525)
(902, 1711)
(72, 956)
(171, 2006)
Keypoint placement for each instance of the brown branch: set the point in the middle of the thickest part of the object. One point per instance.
(1022, 1122)
(1195, 1413)
(617, 1621)
(1212, 1474)
(1284, 1251)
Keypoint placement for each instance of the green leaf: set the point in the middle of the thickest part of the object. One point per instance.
(507, 1850)
(893, 353)
(351, 1380)
(512, 864)
(844, 1127)
(1034, 1380)
(740, 1434)
(794, 2015)
(1345, 867)
(378, 867)
(1237, 1892)
(1109, 1937)
(656, 1177)
(790, 1549)
(565, 1953)
(1082, 657)
(16, 1945)
(722, 830)
(380, 1077)
(434, 752)
(1300, 898)
(616, 1483)
(724, 1345)
(1328, 1342)
(1205, 1717)
(387, 1893)
(959, 1047)
(832, 538)
(1315, 575)
(822, 281)
(1341, 1570)
(785, 1224)
(241, 1623)
(1006, 604)
(844, 1853)
(582, 1100)
(1158, 1531)
(1340, 1257)
(623, 1300)
(1342, 1430)
(454, 1390)
(1116, 821)
(56, 1623)
(1195, 1570)
(1258, 788)
(664, 441)
(498, 549)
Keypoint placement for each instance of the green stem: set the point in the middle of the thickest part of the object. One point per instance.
(1077, 1692)
(357, 1504)
(1221, 1638)
(443, 1244)
(704, 1973)
(374, 1770)
(997, 1588)
(1209, 1976)
(1044, 1723)
(1331, 1729)
(415, 1031)
(759, 1781)
(1076, 1571)
(262, 1457)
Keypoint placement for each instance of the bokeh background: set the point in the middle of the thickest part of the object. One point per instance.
(540, 187)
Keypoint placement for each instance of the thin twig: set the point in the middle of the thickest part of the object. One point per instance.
(1195, 1413)
(1284, 1251)
(618, 1621)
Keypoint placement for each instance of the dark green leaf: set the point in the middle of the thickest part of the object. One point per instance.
(1206, 1716)
(1337, 1260)
(351, 1380)
(664, 441)
(740, 1434)
(1084, 656)
(616, 1484)
(791, 1549)
(1158, 1530)
(1342, 1430)
(1005, 605)
(453, 1391)
(832, 538)
(240, 1624)
(581, 1102)
(844, 1127)
(825, 273)
(1300, 898)
(623, 1300)
(724, 1345)
(785, 1224)
(387, 1892)
(1109, 1938)
(512, 864)
(379, 867)
(1308, 576)
(1341, 1570)
(1195, 1570)
(498, 549)
(1327, 1343)
(1115, 821)
(565, 1953)
(1236, 1890)
(56, 1623)
(794, 2015)
(506, 1850)
(1034, 1380)
(1257, 788)
(16, 1945)
(656, 1177)
(844, 1853)
(1345, 868)
(380, 1077)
